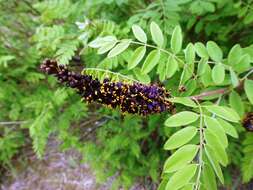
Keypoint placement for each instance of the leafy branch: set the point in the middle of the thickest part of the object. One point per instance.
(211, 151)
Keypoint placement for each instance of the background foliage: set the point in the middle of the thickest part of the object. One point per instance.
(190, 46)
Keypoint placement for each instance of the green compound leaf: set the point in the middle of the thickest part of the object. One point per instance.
(214, 51)
(182, 118)
(139, 33)
(181, 177)
(156, 33)
(136, 57)
(180, 158)
(151, 61)
(180, 138)
(176, 40)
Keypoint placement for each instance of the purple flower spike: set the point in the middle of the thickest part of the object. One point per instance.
(134, 98)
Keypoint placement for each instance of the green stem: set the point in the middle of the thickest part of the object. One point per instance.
(248, 74)
(155, 47)
(201, 145)
(227, 67)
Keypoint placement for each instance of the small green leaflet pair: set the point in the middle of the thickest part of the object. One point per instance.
(199, 148)
(215, 75)
(115, 47)
(156, 33)
(238, 61)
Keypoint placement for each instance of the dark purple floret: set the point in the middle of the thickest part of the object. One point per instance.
(248, 122)
(134, 98)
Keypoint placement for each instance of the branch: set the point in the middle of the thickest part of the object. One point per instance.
(222, 91)
(210, 93)
(12, 122)
(248, 74)
(96, 125)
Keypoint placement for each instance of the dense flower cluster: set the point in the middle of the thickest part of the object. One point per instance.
(248, 121)
(134, 98)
